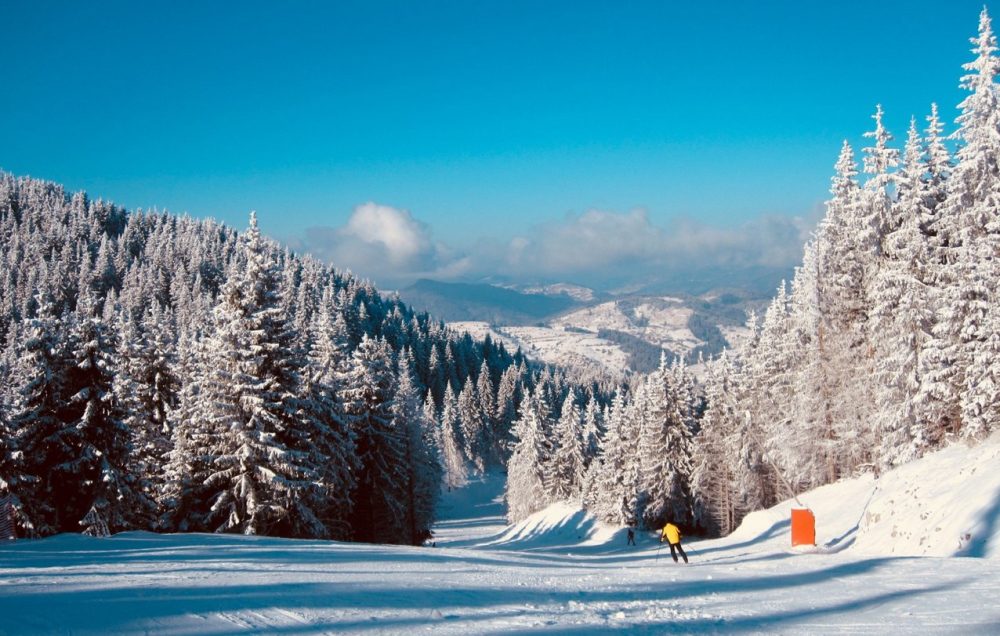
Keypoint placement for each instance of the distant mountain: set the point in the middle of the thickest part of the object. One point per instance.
(577, 327)
(454, 302)
(750, 282)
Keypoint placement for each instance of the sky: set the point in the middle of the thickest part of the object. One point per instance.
(471, 139)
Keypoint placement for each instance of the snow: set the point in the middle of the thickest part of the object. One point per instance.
(557, 345)
(571, 340)
(557, 570)
(736, 336)
(577, 292)
(658, 320)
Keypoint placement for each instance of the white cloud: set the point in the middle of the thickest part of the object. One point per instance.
(596, 248)
(380, 242)
(402, 237)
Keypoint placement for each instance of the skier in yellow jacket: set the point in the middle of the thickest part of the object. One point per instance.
(672, 535)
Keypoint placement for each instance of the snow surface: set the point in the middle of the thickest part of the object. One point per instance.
(577, 292)
(660, 321)
(571, 340)
(558, 571)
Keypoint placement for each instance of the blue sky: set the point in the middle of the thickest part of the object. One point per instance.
(478, 119)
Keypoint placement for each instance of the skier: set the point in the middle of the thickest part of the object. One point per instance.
(672, 534)
(6, 515)
(631, 537)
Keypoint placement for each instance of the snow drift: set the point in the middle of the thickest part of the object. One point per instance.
(945, 504)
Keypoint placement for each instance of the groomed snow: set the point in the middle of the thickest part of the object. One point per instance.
(557, 571)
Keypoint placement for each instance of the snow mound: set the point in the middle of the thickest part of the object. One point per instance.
(559, 525)
(944, 504)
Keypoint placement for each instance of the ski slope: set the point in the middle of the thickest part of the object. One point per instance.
(885, 562)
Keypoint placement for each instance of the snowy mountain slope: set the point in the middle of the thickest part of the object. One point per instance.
(600, 334)
(576, 292)
(558, 571)
(660, 321)
(568, 325)
(567, 347)
(559, 346)
(491, 303)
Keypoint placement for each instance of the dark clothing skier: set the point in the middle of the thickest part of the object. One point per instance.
(672, 535)
(631, 537)
(7, 518)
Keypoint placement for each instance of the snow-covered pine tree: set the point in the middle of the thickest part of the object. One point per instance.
(431, 418)
(380, 500)
(488, 408)
(456, 472)
(769, 397)
(473, 426)
(664, 451)
(564, 477)
(900, 319)
(260, 470)
(332, 438)
(187, 464)
(422, 471)
(593, 430)
(715, 499)
(525, 470)
(506, 412)
(614, 494)
(879, 159)
(94, 437)
(807, 450)
(938, 166)
(974, 203)
(40, 379)
(146, 386)
(846, 246)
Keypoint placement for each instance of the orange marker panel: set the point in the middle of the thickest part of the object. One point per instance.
(803, 527)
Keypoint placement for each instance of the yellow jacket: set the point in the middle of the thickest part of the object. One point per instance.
(671, 533)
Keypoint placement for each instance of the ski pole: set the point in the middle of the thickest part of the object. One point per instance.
(658, 550)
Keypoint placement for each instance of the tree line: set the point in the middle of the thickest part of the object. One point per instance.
(174, 375)
(886, 345)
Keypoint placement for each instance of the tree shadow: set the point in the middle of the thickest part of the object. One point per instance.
(155, 603)
(979, 543)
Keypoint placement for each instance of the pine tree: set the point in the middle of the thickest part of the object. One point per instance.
(807, 449)
(423, 473)
(593, 428)
(664, 452)
(380, 499)
(456, 472)
(565, 470)
(187, 463)
(966, 233)
(716, 500)
(260, 470)
(900, 316)
(487, 407)
(35, 424)
(95, 473)
(473, 428)
(615, 497)
(331, 437)
(525, 470)
(506, 412)
(146, 386)
(846, 246)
